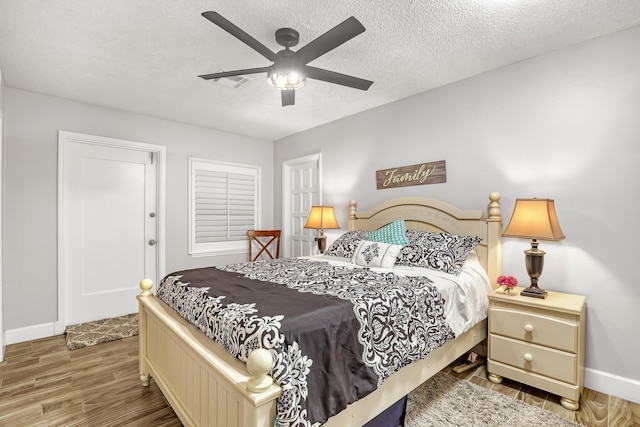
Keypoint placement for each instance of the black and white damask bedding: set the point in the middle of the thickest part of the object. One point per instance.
(336, 331)
(465, 294)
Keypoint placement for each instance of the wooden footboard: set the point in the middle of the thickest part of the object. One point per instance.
(206, 386)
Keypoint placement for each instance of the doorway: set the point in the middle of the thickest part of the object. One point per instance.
(110, 225)
(301, 188)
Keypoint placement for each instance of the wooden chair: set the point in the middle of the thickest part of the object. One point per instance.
(267, 240)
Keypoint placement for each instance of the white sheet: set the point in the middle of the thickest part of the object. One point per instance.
(465, 296)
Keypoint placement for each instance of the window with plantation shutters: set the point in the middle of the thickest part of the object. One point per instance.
(223, 206)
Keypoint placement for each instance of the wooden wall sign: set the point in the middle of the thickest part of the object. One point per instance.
(420, 174)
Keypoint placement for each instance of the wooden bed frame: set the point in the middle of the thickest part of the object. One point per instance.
(206, 386)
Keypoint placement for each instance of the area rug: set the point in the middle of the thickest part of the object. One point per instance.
(447, 401)
(101, 331)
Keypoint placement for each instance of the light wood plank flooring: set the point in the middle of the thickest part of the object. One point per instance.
(44, 384)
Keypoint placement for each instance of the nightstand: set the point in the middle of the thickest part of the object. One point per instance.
(538, 342)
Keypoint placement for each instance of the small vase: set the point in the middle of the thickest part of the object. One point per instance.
(507, 290)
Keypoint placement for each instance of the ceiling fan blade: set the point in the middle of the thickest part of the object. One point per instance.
(240, 34)
(333, 38)
(234, 73)
(288, 97)
(337, 78)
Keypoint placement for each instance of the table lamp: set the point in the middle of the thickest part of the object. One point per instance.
(321, 217)
(534, 219)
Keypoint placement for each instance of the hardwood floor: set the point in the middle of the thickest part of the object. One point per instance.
(44, 384)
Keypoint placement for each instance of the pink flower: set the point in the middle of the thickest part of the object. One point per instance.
(507, 281)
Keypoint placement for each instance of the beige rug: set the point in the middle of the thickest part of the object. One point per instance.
(446, 401)
(101, 331)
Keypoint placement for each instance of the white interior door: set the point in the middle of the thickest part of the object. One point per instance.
(301, 190)
(109, 214)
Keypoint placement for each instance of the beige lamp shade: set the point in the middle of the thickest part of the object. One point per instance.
(322, 217)
(534, 219)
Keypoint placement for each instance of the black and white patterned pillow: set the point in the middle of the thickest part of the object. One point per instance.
(376, 254)
(438, 251)
(345, 245)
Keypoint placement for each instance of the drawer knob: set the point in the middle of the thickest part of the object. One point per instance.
(528, 328)
(528, 357)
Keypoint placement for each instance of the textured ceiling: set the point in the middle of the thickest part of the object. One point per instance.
(143, 56)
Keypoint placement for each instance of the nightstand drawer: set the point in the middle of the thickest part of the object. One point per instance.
(549, 362)
(534, 328)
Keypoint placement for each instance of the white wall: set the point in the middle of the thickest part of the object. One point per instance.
(2, 345)
(566, 126)
(32, 122)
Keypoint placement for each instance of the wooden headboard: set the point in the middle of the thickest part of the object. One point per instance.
(421, 213)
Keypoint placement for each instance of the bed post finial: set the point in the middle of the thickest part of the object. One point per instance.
(494, 207)
(259, 364)
(352, 215)
(494, 239)
(146, 285)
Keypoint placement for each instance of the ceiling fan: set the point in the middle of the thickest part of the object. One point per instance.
(289, 69)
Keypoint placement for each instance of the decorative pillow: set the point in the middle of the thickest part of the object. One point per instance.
(392, 234)
(438, 251)
(345, 245)
(376, 254)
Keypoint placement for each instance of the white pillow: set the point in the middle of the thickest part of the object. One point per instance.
(376, 254)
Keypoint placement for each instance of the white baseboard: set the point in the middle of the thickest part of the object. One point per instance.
(29, 333)
(614, 385)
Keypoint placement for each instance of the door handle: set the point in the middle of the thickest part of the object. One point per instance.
(152, 242)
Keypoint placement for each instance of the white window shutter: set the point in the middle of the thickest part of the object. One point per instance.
(224, 205)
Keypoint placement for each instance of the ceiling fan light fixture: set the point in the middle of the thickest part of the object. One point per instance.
(286, 80)
(290, 70)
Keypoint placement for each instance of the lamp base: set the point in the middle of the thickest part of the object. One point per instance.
(534, 261)
(534, 292)
(322, 243)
